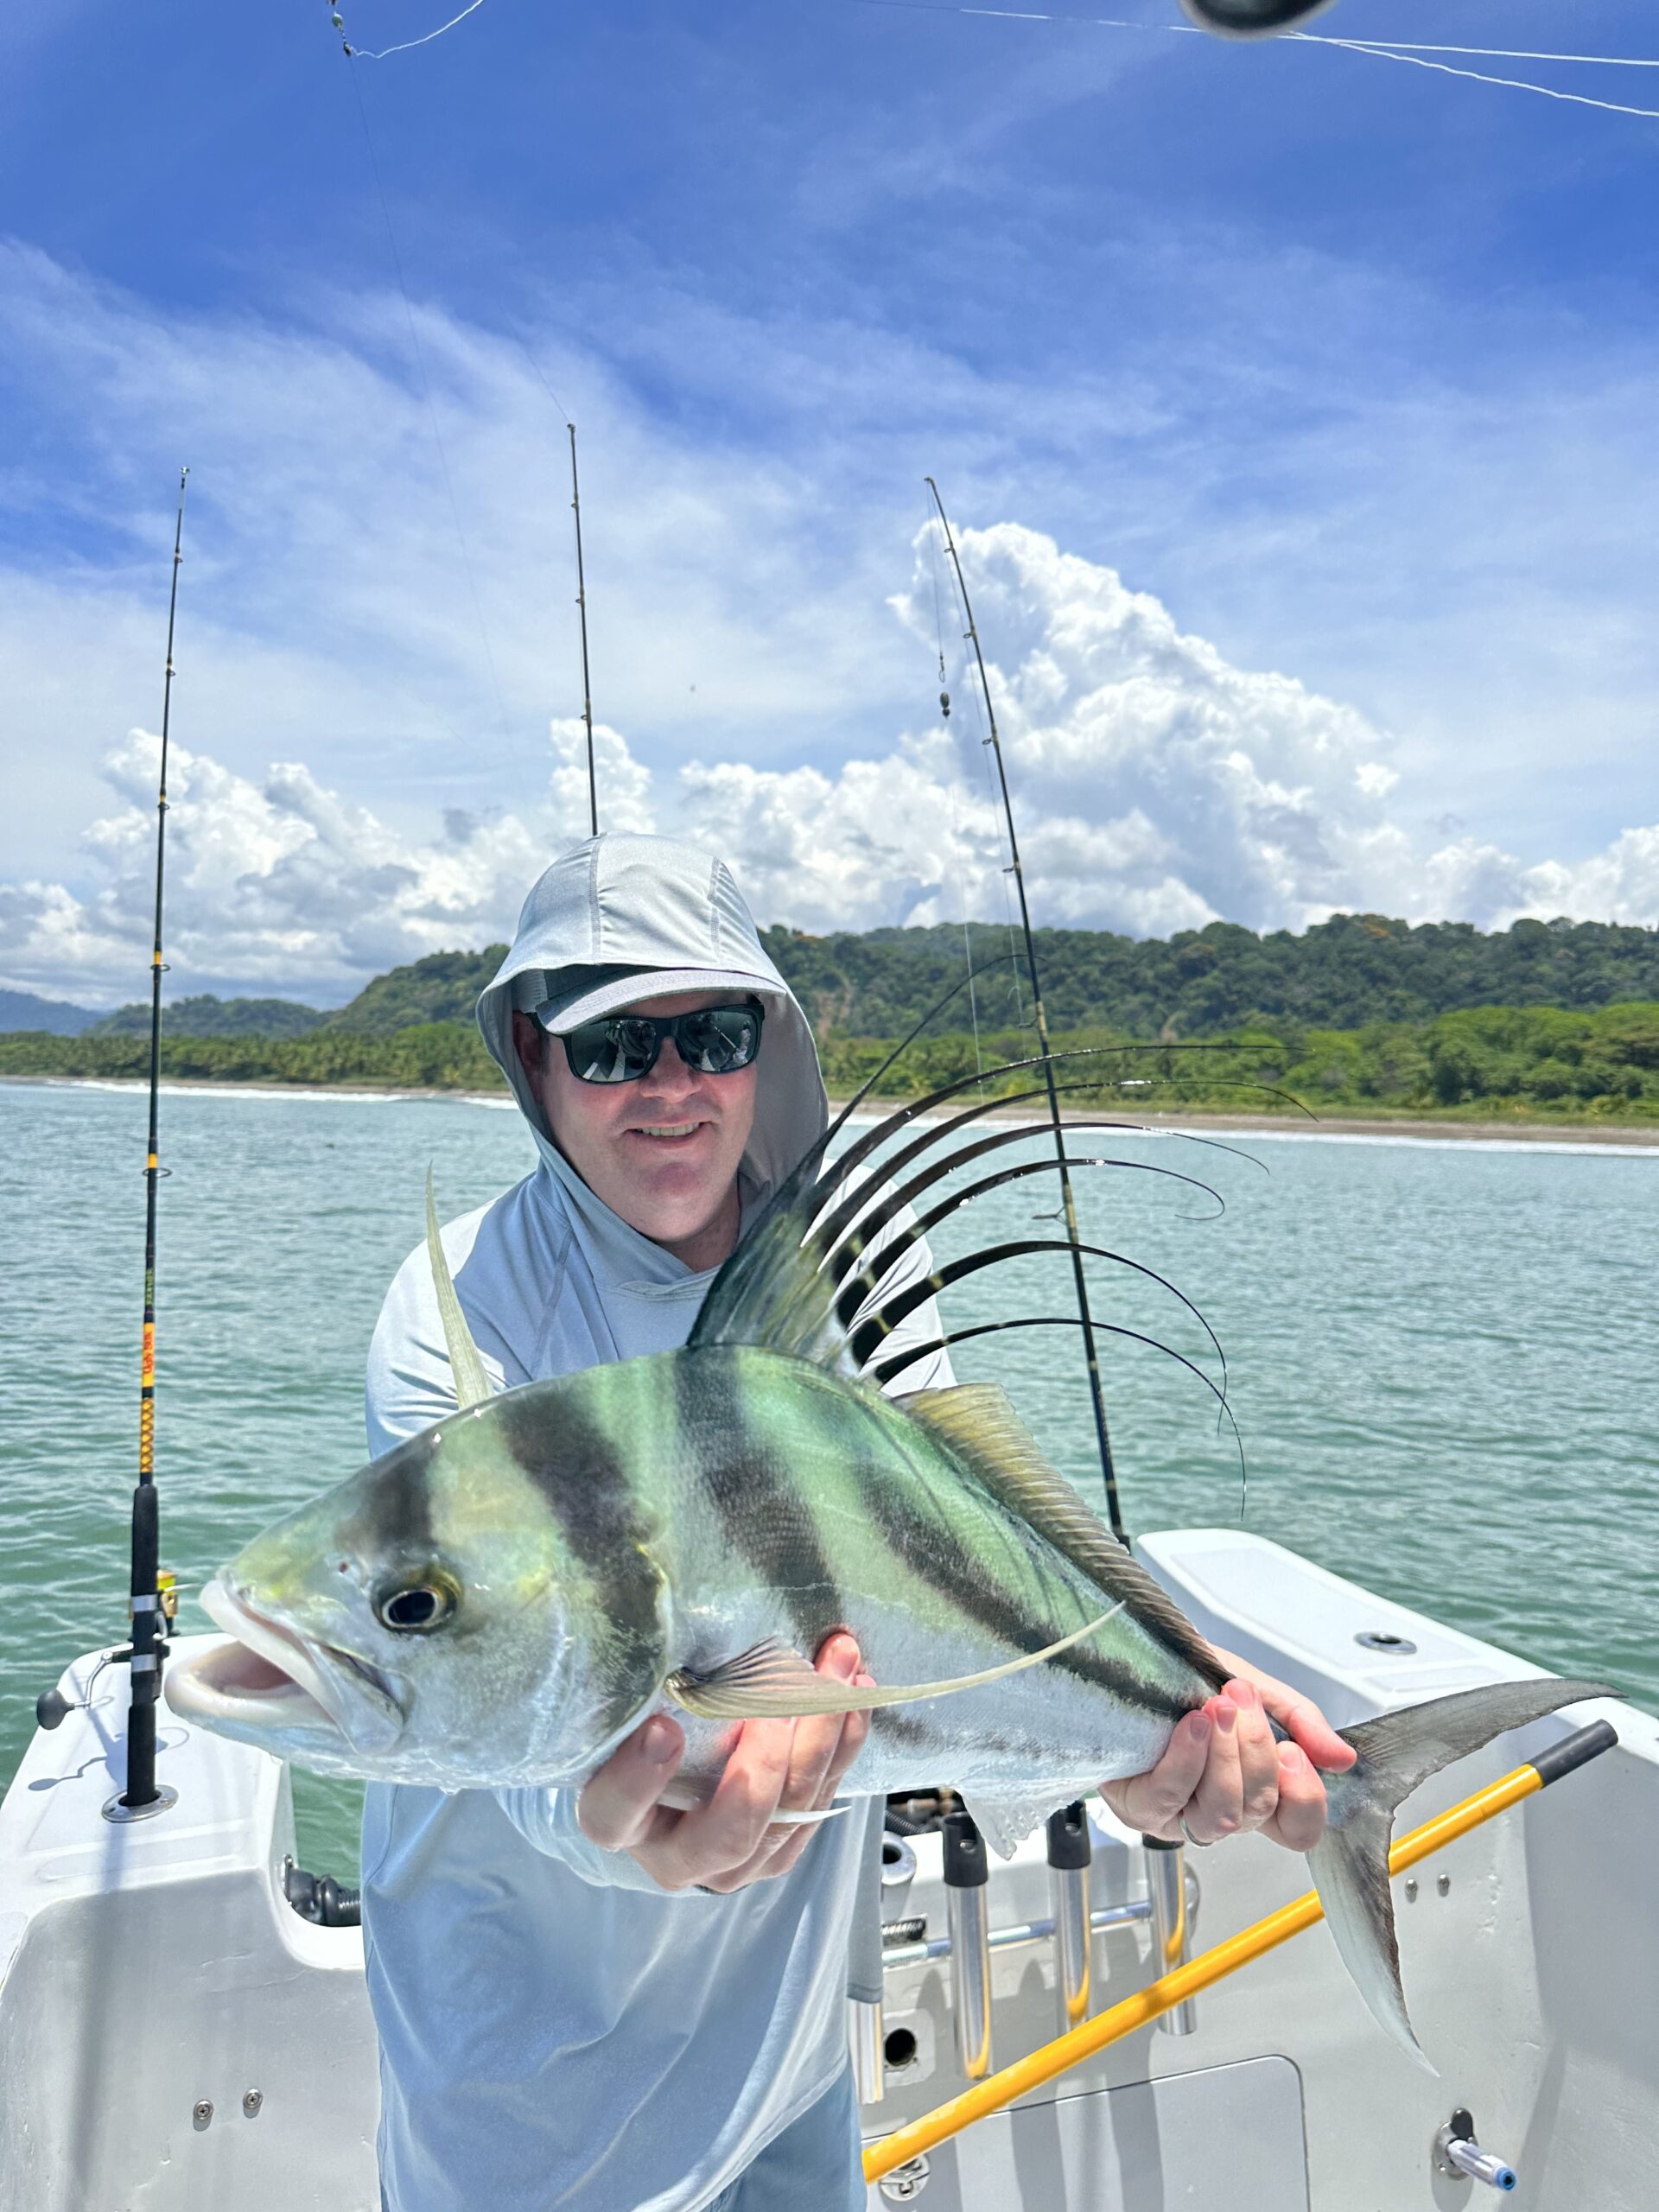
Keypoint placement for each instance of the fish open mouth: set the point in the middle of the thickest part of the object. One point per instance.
(267, 1680)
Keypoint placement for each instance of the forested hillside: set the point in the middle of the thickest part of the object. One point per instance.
(1477, 1063)
(1353, 969)
(1342, 974)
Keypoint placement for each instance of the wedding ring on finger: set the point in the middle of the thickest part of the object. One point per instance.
(1198, 1842)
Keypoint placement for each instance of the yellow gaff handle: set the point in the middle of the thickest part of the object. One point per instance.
(1171, 1989)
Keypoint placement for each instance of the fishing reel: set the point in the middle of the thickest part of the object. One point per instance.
(53, 1708)
(1251, 18)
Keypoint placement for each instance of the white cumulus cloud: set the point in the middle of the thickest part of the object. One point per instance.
(1157, 786)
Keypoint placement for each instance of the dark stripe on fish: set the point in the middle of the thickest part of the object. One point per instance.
(397, 1515)
(974, 1590)
(763, 1516)
(585, 1487)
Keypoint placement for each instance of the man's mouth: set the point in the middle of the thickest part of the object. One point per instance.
(667, 1132)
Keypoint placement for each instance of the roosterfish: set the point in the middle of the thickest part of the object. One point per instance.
(500, 1601)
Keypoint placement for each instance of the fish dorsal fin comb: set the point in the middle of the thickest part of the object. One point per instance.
(978, 1424)
(473, 1385)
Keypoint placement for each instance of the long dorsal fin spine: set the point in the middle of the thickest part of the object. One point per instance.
(906, 1301)
(841, 1240)
(885, 1370)
(471, 1382)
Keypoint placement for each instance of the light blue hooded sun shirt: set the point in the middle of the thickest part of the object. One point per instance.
(556, 2031)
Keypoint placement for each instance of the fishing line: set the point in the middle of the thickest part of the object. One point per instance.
(366, 53)
(950, 790)
(1007, 869)
(1513, 83)
(1385, 50)
(426, 394)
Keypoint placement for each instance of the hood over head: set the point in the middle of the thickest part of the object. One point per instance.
(622, 917)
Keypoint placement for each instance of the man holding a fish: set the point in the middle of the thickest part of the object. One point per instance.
(601, 2002)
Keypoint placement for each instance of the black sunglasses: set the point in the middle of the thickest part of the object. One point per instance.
(622, 1047)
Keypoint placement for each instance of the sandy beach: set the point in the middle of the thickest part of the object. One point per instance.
(1640, 1136)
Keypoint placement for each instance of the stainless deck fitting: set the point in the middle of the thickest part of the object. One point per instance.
(965, 1876)
(1069, 1851)
(906, 2183)
(1167, 1884)
(1456, 2151)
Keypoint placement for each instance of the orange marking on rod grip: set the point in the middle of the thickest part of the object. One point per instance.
(1173, 1989)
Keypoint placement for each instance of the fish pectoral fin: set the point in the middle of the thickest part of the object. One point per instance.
(774, 1682)
(472, 1383)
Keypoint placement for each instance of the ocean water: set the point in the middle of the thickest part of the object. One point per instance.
(1441, 1357)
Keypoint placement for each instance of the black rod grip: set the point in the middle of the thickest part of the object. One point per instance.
(1575, 1750)
(146, 1539)
(965, 1867)
(1068, 1843)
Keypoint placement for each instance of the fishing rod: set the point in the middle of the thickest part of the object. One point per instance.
(1068, 1205)
(581, 609)
(150, 1618)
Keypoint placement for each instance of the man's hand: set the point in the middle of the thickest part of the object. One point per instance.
(1224, 1772)
(775, 1766)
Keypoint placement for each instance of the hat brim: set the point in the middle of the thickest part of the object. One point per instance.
(654, 983)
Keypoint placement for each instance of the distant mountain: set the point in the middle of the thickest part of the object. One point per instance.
(207, 1016)
(24, 1010)
(444, 986)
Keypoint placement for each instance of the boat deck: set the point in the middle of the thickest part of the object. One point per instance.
(1530, 1956)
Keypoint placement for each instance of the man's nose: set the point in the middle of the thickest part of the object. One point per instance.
(671, 1076)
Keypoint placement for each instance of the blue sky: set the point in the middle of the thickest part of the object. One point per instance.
(1344, 365)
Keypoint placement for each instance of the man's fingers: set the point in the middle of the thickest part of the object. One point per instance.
(616, 1804)
(819, 1738)
(1258, 1757)
(1154, 1801)
(855, 1734)
(1300, 1821)
(1217, 1806)
(1295, 1713)
(1310, 1728)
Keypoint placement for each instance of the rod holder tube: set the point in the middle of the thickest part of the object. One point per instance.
(1071, 1850)
(968, 1919)
(868, 2063)
(1167, 1886)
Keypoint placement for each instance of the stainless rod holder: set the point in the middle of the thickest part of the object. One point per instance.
(968, 1921)
(1166, 1884)
(869, 2071)
(1069, 1851)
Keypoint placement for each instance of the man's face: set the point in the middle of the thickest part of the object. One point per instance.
(664, 1152)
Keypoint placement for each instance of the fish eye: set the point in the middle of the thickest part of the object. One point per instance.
(416, 1608)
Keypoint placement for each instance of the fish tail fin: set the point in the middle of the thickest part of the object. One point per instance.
(1349, 1866)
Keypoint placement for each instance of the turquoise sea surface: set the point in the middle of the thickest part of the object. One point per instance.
(1441, 1355)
